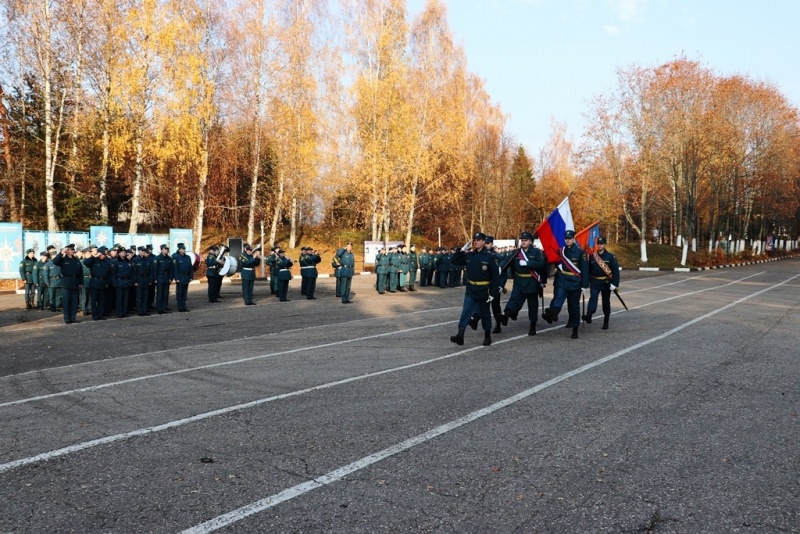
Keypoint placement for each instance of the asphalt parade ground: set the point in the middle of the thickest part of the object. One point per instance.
(313, 416)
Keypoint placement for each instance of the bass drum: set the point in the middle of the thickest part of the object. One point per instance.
(230, 266)
(195, 259)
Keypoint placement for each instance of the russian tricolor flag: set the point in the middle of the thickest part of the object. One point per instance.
(551, 231)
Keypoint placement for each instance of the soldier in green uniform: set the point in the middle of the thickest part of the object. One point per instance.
(394, 269)
(249, 260)
(483, 273)
(529, 268)
(604, 278)
(284, 266)
(425, 265)
(53, 275)
(382, 270)
(572, 278)
(27, 275)
(413, 266)
(405, 264)
(41, 281)
(347, 261)
(337, 271)
(70, 281)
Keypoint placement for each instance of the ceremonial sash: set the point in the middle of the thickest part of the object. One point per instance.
(603, 265)
(524, 258)
(568, 263)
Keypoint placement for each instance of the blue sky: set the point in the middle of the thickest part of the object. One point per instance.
(546, 59)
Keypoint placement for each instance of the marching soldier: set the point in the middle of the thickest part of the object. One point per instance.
(249, 260)
(529, 269)
(27, 275)
(182, 273)
(41, 281)
(572, 279)
(213, 263)
(497, 313)
(70, 280)
(483, 274)
(309, 272)
(604, 278)
(162, 265)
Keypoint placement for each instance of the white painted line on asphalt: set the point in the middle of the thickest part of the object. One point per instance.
(249, 338)
(239, 514)
(291, 351)
(207, 415)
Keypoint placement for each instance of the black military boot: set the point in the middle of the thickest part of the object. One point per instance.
(587, 318)
(487, 338)
(473, 322)
(458, 339)
(503, 319)
(574, 332)
(411, 288)
(532, 329)
(547, 317)
(497, 327)
(605, 323)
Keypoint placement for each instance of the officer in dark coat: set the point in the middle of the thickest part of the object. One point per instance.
(497, 311)
(182, 273)
(122, 275)
(529, 268)
(347, 270)
(249, 260)
(144, 276)
(162, 265)
(27, 274)
(213, 263)
(483, 274)
(100, 269)
(604, 278)
(309, 271)
(70, 281)
(572, 279)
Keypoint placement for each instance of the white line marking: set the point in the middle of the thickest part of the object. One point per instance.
(338, 474)
(270, 355)
(222, 411)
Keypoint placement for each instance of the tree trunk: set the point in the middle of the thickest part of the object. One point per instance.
(293, 221)
(104, 164)
(197, 238)
(9, 171)
(251, 219)
(276, 214)
(138, 177)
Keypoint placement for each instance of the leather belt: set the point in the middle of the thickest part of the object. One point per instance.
(479, 283)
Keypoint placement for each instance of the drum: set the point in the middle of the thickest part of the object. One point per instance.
(230, 266)
(196, 260)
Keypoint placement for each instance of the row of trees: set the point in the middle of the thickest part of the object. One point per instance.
(234, 114)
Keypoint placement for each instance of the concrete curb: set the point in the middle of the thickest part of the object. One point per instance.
(740, 264)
